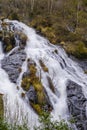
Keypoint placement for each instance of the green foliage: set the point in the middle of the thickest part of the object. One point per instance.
(78, 49)
(45, 69)
(58, 20)
(5, 126)
(14, 16)
(33, 80)
(47, 123)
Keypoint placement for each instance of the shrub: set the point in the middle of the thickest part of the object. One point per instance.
(14, 16)
(77, 49)
(48, 124)
(5, 126)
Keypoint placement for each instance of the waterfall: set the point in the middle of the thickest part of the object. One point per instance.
(61, 69)
(16, 111)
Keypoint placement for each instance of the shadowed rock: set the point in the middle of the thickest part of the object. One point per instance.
(77, 105)
(12, 64)
(31, 94)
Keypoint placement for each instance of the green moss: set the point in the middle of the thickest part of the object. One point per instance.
(32, 69)
(49, 33)
(22, 37)
(37, 108)
(1, 106)
(8, 41)
(26, 83)
(43, 66)
(9, 38)
(77, 49)
(8, 48)
(40, 92)
(33, 80)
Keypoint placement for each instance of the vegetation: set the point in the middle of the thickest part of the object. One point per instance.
(8, 37)
(45, 69)
(78, 49)
(58, 20)
(1, 106)
(5, 126)
(33, 80)
(46, 124)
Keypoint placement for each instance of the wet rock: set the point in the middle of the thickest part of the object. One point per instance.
(51, 84)
(25, 74)
(45, 69)
(31, 94)
(82, 63)
(12, 64)
(1, 106)
(48, 105)
(77, 104)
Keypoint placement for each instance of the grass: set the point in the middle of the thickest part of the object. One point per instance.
(45, 124)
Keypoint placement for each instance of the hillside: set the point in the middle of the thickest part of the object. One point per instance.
(61, 21)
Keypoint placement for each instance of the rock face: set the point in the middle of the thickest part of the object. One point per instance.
(12, 64)
(77, 105)
(83, 65)
(31, 94)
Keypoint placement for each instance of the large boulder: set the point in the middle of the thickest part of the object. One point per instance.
(12, 64)
(77, 105)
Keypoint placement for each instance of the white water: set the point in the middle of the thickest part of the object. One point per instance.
(15, 109)
(61, 69)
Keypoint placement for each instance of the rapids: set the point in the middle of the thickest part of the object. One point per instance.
(61, 69)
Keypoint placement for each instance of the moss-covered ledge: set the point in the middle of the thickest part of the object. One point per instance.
(31, 82)
(78, 49)
(9, 36)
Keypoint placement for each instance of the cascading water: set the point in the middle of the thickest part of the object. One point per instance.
(61, 69)
(15, 109)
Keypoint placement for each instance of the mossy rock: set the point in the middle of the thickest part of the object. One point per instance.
(8, 41)
(32, 79)
(45, 69)
(1, 106)
(26, 83)
(22, 37)
(32, 69)
(37, 108)
(40, 92)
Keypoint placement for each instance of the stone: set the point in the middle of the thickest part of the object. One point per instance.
(77, 104)
(12, 64)
(31, 94)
